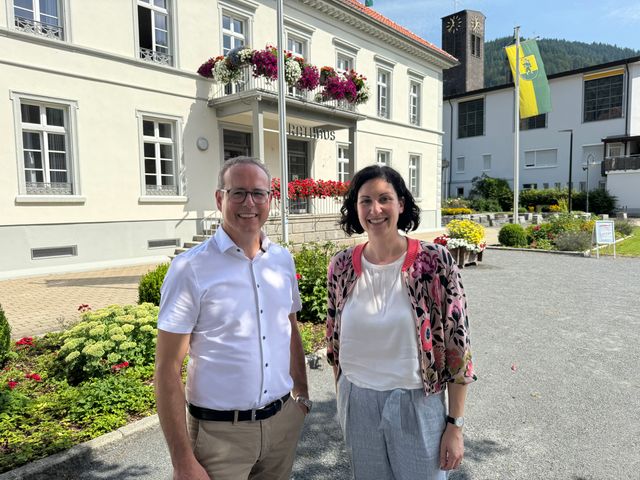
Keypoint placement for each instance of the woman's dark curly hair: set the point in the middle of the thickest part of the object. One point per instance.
(408, 220)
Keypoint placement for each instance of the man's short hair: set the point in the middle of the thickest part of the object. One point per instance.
(242, 160)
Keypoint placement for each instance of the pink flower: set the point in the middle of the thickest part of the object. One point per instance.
(12, 384)
(425, 336)
(298, 276)
(33, 376)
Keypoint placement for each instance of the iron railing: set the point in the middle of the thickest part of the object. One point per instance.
(154, 56)
(308, 206)
(631, 162)
(38, 28)
(49, 188)
(248, 82)
(162, 190)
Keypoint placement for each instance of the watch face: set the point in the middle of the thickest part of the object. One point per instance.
(459, 422)
(453, 24)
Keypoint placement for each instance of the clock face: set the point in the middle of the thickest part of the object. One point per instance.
(476, 25)
(453, 24)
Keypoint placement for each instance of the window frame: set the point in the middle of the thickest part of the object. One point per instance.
(240, 10)
(476, 45)
(467, 115)
(610, 109)
(387, 96)
(415, 171)
(415, 118)
(535, 163)
(529, 186)
(484, 162)
(384, 152)
(70, 108)
(343, 163)
(172, 33)
(178, 167)
(458, 162)
(532, 123)
(63, 20)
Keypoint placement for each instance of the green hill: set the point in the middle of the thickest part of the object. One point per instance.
(558, 56)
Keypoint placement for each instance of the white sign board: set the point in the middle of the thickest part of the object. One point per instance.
(605, 232)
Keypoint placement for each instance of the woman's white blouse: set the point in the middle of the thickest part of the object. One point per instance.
(378, 346)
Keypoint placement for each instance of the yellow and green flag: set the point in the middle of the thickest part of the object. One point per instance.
(535, 96)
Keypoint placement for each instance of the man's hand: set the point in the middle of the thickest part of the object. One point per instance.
(451, 448)
(192, 471)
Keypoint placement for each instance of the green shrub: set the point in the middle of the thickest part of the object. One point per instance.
(5, 337)
(625, 227)
(150, 284)
(312, 261)
(312, 336)
(512, 235)
(539, 233)
(600, 201)
(542, 198)
(493, 189)
(486, 205)
(106, 338)
(573, 241)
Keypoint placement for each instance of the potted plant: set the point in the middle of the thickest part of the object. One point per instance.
(464, 240)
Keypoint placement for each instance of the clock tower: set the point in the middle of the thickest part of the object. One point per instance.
(463, 37)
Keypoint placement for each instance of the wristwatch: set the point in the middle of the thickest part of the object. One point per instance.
(304, 401)
(457, 421)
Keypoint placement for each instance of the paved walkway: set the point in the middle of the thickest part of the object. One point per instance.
(36, 305)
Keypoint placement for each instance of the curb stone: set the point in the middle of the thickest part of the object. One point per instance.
(47, 463)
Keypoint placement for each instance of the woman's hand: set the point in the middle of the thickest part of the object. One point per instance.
(451, 448)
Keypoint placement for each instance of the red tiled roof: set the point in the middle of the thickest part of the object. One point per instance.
(400, 29)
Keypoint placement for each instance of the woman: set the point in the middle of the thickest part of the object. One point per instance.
(397, 334)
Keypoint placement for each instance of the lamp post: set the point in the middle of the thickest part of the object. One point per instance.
(570, 164)
(589, 163)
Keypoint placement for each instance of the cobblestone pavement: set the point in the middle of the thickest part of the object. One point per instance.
(36, 305)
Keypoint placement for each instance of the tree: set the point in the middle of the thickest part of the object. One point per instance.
(492, 189)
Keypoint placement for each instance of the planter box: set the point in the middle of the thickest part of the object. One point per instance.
(463, 257)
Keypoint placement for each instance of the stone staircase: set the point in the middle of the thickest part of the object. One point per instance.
(196, 240)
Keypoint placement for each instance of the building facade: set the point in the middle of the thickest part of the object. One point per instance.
(112, 143)
(598, 108)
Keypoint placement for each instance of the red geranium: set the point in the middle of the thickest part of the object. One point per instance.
(33, 376)
(25, 342)
(120, 366)
(12, 384)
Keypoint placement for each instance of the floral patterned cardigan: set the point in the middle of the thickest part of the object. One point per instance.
(433, 282)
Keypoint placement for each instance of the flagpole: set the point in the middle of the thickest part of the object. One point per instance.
(516, 140)
(282, 114)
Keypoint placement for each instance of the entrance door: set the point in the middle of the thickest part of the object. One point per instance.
(236, 144)
(297, 152)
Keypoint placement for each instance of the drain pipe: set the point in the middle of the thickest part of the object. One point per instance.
(450, 148)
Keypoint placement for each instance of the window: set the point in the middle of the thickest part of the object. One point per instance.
(343, 163)
(460, 165)
(471, 118)
(45, 142)
(475, 45)
(39, 17)
(545, 186)
(296, 46)
(460, 192)
(603, 98)
(531, 123)
(582, 186)
(344, 62)
(414, 103)
(615, 150)
(557, 185)
(486, 162)
(383, 90)
(602, 184)
(153, 31)
(233, 32)
(159, 151)
(541, 158)
(414, 175)
(383, 157)
(529, 186)
(236, 144)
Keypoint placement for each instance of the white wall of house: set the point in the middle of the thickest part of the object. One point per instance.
(105, 91)
(567, 100)
(625, 185)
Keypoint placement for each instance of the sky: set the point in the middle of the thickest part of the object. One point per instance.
(615, 22)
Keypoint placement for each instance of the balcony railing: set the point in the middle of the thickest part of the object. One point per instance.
(154, 56)
(631, 162)
(309, 206)
(38, 28)
(162, 190)
(248, 82)
(46, 188)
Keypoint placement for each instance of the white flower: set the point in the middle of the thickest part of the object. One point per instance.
(292, 71)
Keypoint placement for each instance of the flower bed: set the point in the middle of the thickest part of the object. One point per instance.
(310, 188)
(465, 240)
(346, 86)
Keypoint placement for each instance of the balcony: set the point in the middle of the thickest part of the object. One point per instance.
(49, 188)
(631, 162)
(154, 56)
(250, 86)
(38, 28)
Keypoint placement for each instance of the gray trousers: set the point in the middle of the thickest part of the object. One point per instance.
(391, 435)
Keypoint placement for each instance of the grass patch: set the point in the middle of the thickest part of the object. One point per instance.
(627, 248)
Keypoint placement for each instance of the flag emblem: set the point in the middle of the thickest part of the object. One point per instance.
(535, 95)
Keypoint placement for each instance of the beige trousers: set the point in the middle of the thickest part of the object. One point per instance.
(261, 450)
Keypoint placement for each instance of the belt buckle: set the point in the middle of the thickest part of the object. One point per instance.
(253, 415)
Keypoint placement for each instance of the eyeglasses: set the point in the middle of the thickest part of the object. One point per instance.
(237, 195)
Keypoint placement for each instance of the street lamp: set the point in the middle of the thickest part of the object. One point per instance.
(589, 163)
(570, 163)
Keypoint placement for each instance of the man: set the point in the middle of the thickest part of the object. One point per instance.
(232, 303)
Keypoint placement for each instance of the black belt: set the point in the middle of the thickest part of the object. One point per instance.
(238, 415)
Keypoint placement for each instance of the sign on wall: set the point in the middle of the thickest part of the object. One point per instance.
(310, 132)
